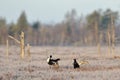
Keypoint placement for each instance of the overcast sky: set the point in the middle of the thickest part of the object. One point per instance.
(51, 10)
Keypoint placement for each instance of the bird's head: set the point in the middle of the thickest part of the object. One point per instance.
(50, 56)
(74, 59)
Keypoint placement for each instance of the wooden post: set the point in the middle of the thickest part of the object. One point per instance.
(22, 45)
(28, 50)
(113, 36)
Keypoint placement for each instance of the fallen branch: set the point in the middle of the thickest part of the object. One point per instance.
(14, 39)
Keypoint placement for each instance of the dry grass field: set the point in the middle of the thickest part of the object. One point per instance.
(101, 66)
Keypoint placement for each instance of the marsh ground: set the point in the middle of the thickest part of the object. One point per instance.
(101, 66)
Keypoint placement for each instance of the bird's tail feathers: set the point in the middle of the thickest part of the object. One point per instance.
(83, 62)
(58, 59)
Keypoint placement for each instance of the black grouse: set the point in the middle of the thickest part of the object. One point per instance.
(51, 61)
(75, 64)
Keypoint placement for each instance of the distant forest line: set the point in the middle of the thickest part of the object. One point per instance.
(73, 30)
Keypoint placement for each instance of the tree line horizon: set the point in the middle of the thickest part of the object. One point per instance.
(73, 30)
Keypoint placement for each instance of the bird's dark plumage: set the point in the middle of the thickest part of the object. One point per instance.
(75, 64)
(51, 61)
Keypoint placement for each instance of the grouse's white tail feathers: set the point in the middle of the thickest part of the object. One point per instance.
(83, 62)
(48, 59)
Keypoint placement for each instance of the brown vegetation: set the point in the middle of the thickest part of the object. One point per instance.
(100, 67)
